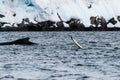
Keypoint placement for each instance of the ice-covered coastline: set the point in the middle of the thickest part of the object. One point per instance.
(95, 13)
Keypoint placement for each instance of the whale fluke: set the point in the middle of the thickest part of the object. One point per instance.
(79, 46)
(23, 41)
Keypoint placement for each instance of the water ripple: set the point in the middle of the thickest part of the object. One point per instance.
(56, 57)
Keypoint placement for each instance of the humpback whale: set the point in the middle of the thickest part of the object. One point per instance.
(79, 46)
(23, 41)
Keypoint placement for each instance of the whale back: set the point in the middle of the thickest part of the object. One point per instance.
(22, 41)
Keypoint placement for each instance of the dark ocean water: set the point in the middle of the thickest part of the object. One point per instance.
(58, 58)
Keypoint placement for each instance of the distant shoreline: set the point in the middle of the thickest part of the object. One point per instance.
(96, 24)
(65, 29)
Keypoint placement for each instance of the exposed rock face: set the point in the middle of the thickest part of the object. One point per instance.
(118, 18)
(112, 21)
(98, 23)
(75, 24)
(1, 15)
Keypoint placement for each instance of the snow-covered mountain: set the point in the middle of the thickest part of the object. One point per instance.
(15, 10)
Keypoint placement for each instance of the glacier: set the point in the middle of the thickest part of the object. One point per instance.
(16, 10)
(42, 10)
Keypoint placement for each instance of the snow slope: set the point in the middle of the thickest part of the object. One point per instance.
(48, 9)
(22, 9)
